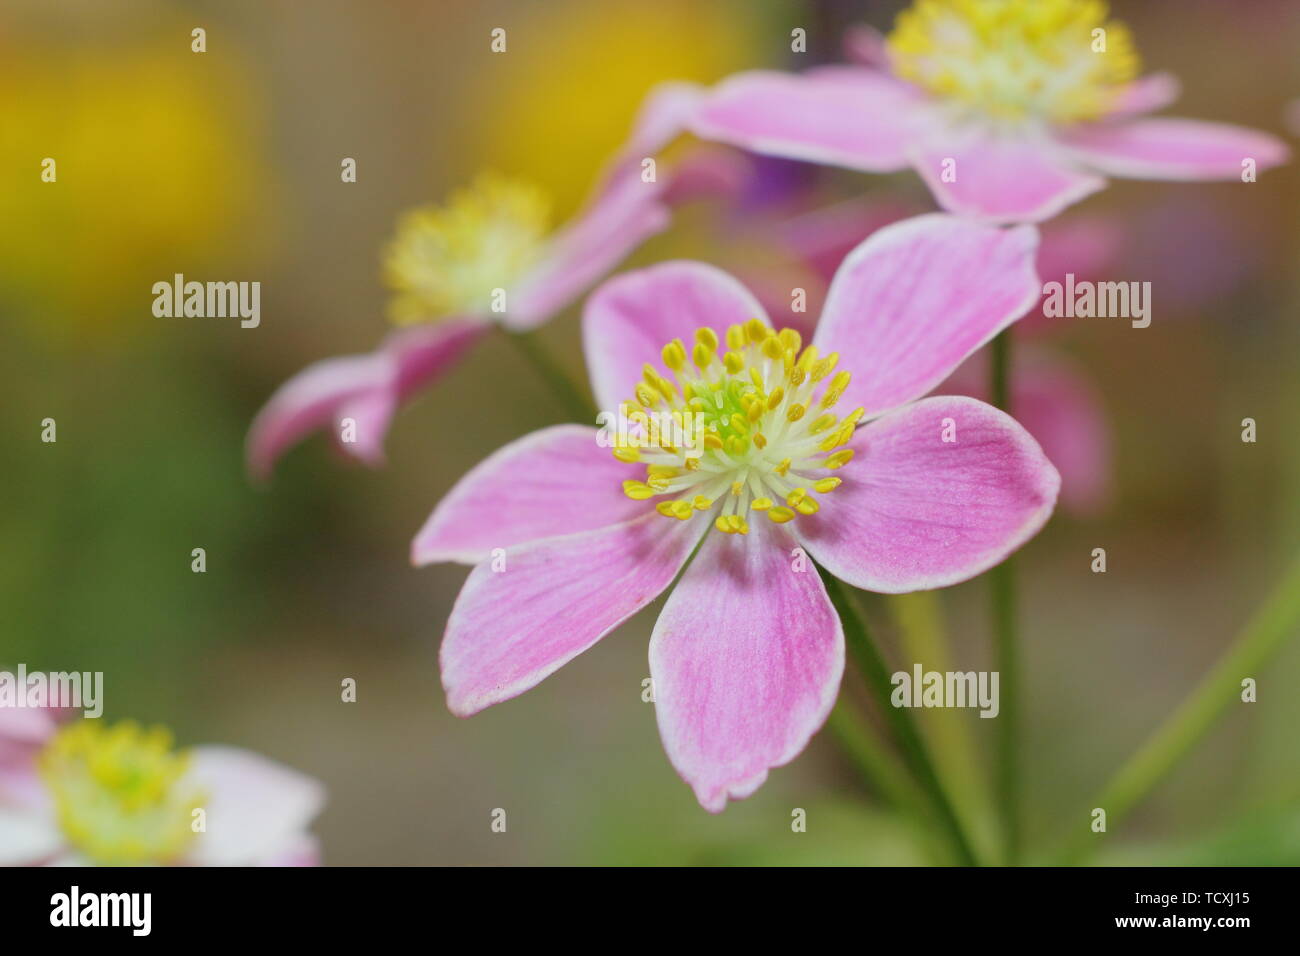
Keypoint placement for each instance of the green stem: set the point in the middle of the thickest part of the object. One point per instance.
(575, 401)
(879, 768)
(876, 673)
(1277, 619)
(1002, 584)
(923, 638)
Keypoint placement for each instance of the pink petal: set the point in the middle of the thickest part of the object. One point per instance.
(255, 807)
(629, 319)
(555, 598)
(910, 303)
(622, 213)
(823, 237)
(1178, 149)
(847, 116)
(746, 659)
(1057, 404)
(916, 512)
(866, 46)
(1146, 95)
(1001, 179)
(553, 482)
(365, 387)
(617, 221)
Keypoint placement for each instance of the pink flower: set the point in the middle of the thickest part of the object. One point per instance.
(487, 248)
(88, 794)
(748, 653)
(1011, 110)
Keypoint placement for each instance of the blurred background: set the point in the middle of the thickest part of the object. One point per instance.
(226, 165)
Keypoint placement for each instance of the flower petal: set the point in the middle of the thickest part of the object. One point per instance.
(866, 46)
(1001, 179)
(553, 599)
(622, 212)
(365, 387)
(27, 838)
(746, 660)
(1177, 149)
(842, 116)
(910, 303)
(1057, 404)
(1146, 95)
(630, 318)
(255, 806)
(617, 221)
(554, 482)
(917, 512)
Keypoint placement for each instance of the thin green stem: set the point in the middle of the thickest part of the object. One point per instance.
(1002, 585)
(876, 673)
(1276, 620)
(923, 638)
(575, 400)
(878, 767)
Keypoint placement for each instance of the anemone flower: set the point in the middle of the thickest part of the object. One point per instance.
(87, 794)
(484, 259)
(1010, 110)
(569, 540)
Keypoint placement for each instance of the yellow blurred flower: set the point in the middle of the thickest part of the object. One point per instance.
(157, 164)
(573, 77)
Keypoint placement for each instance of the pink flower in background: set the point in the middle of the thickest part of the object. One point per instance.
(896, 495)
(445, 267)
(90, 794)
(1011, 110)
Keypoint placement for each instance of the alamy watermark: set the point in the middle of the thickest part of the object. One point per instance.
(209, 300)
(922, 688)
(1073, 299)
(83, 690)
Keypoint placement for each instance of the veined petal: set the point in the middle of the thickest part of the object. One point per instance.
(1177, 149)
(552, 599)
(844, 116)
(1057, 404)
(917, 512)
(746, 659)
(910, 303)
(554, 482)
(255, 806)
(368, 386)
(629, 319)
(1001, 179)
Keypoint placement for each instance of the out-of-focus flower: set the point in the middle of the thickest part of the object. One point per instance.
(90, 794)
(486, 257)
(521, 116)
(747, 656)
(1011, 110)
(140, 132)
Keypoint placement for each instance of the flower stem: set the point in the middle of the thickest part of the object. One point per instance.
(876, 673)
(879, 768)
(575, 401)
(1277, 619)
(1002, 585)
